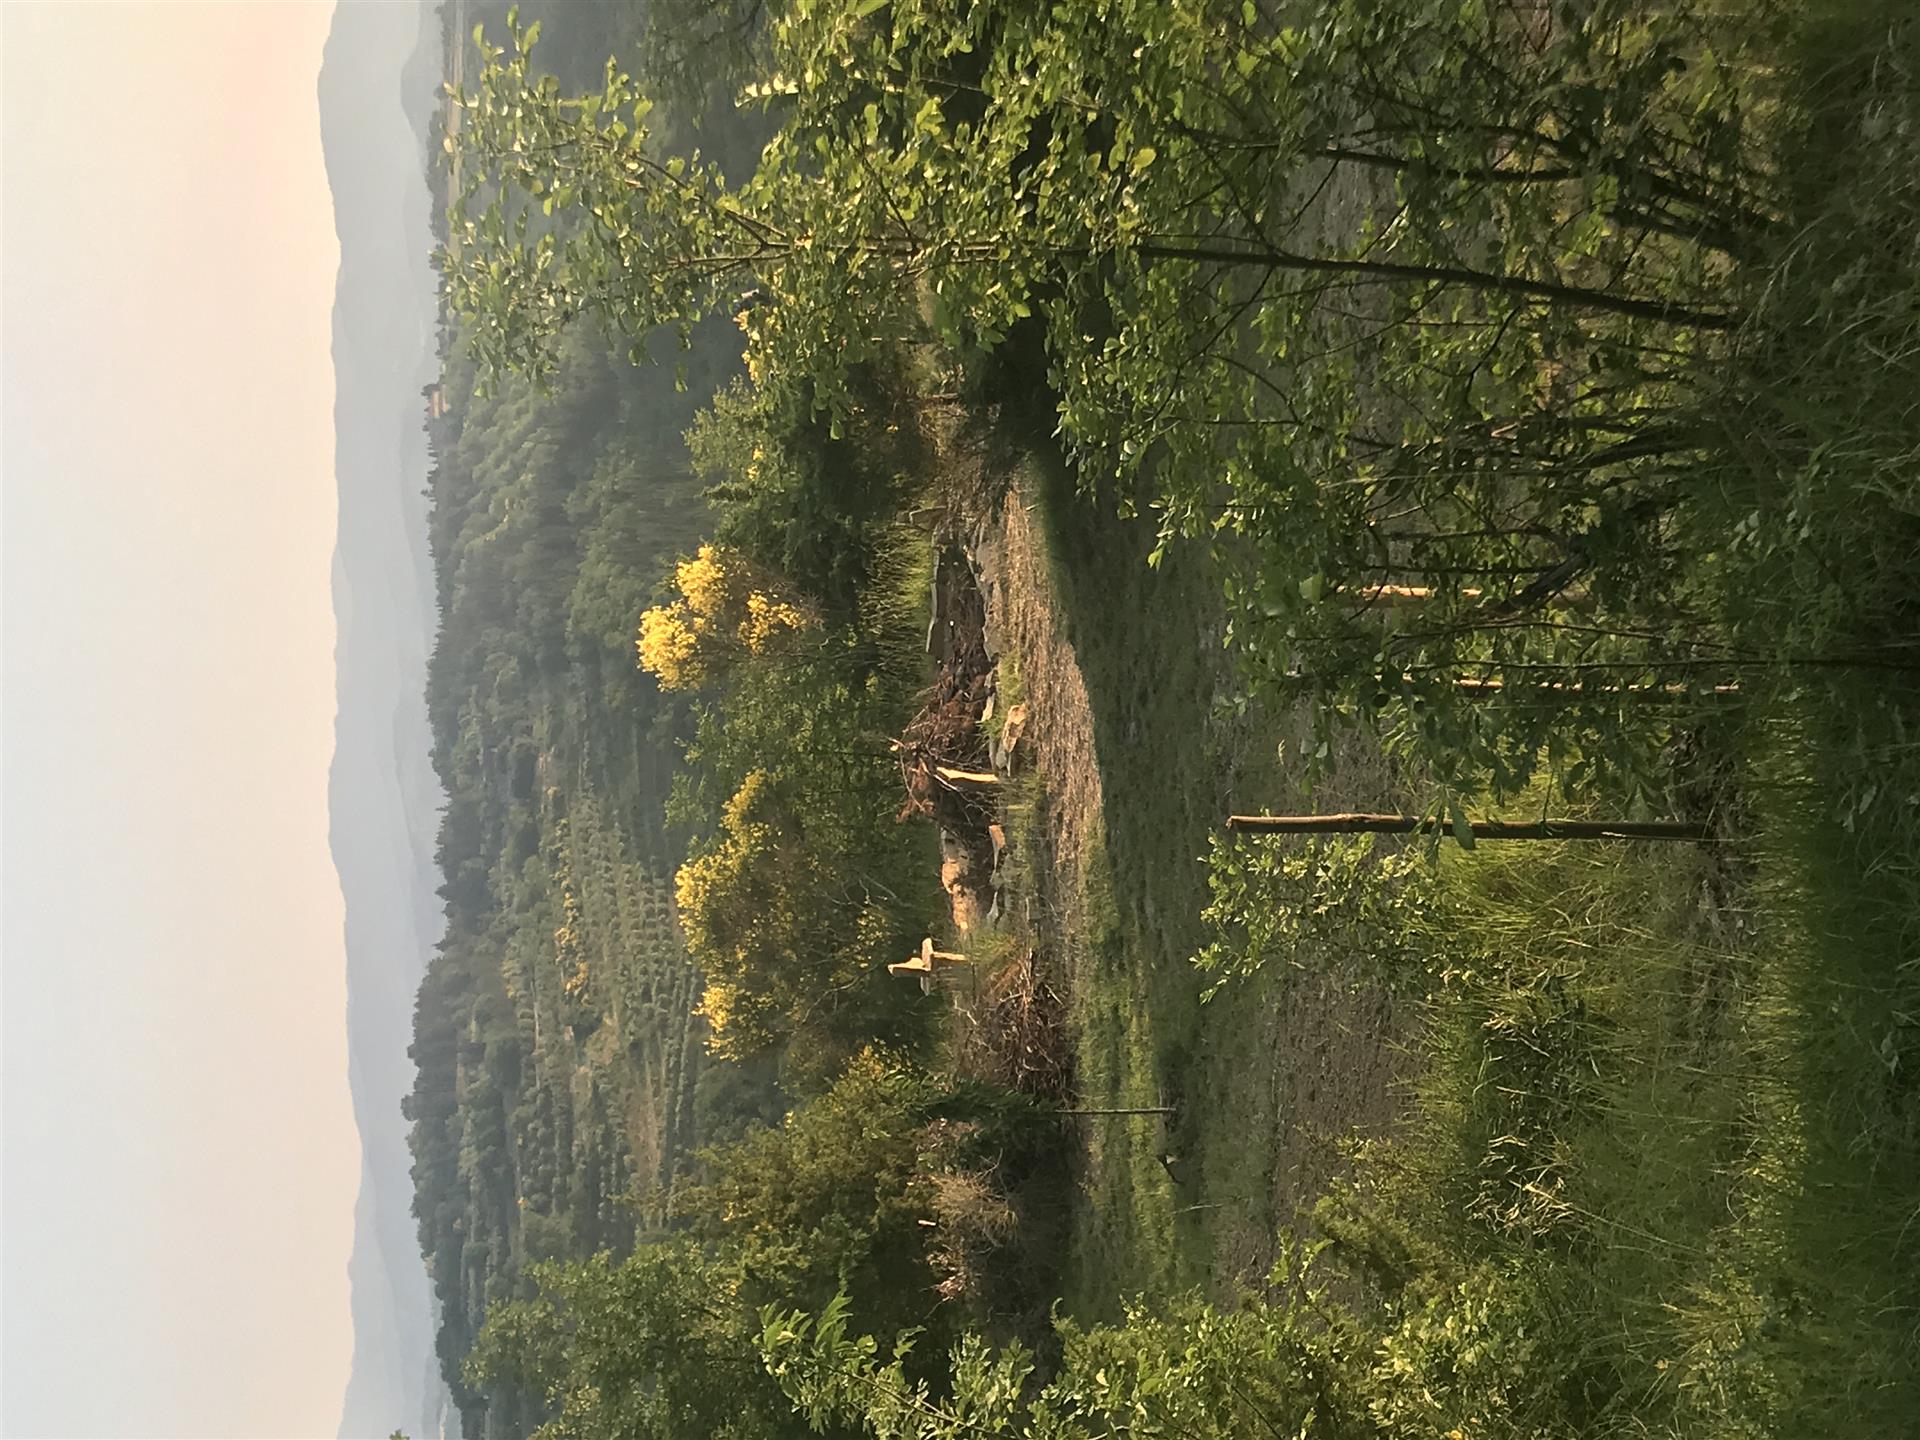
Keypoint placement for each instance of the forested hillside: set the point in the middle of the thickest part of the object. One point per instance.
(541, 1097)
(559, 1059)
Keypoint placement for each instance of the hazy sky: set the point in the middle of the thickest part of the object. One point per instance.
(178, 1164)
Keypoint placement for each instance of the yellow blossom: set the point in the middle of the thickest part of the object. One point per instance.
(718, 617)
(704, 581)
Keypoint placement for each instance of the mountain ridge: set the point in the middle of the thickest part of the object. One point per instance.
(380, 68)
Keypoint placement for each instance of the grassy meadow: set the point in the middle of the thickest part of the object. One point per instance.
(1663, 1084)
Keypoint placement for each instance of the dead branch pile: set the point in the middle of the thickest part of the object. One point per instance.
(972, 1222)
(943, 742)
(1014, 1033)
(941, 746)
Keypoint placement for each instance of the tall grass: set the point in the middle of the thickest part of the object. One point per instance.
(1815, 515)
(1663, 1097)
(892, 605)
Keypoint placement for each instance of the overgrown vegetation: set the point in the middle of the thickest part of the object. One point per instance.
(1525, 395)
(1615, 1117)
(557, 1062)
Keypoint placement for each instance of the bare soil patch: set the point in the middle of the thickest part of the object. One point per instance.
(1086, 990)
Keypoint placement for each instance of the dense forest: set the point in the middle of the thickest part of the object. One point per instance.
(543, 1096)
(559, 1065)
(911, 472)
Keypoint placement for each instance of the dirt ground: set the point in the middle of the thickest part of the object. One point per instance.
(1057, 742)
(1269, 1079)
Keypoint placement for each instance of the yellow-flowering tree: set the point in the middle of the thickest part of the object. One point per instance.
(789, 941)
(727, 610)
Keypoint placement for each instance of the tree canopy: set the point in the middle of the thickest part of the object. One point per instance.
(1385, 299)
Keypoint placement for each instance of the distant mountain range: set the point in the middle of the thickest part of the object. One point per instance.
(381, 71)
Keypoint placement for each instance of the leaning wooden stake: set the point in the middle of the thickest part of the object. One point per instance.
(1363, 824)
(929, 962)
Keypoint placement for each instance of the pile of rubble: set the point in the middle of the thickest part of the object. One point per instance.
(951, 761)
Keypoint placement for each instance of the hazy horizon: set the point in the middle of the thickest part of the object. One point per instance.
(377, 90)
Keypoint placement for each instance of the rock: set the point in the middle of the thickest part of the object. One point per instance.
(1011, 728)
(966, 911)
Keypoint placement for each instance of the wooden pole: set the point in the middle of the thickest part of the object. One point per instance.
(1138, 1110)
(1396, 594)
(1467, 685)
(1365, 824)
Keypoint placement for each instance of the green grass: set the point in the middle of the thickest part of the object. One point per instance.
(1167, 756)
(1134, 1003)
(1821, 1311)
(1673, 1093)
(1664, 1089)
(1837, 1025)
(1673, 1089)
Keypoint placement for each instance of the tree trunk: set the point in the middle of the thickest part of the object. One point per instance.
(1578, 689)
(1552, 292)
(1366, 824)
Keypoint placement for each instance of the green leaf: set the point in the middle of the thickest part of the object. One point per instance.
(1462, 826)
